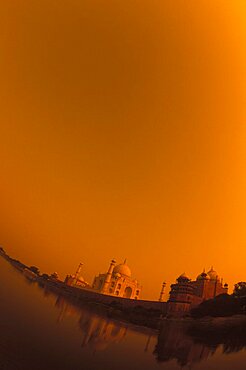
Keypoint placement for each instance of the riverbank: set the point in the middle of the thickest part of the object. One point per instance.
(137, 315)
(137, 312)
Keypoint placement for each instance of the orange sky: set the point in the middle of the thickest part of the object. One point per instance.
(122, 134)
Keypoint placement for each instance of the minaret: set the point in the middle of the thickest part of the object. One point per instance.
(162, 291)
(215, 286)
(108, 277)
(78, 272)
(226, 288)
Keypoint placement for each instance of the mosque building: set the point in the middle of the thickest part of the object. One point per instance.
(186, 294)
(117, 281)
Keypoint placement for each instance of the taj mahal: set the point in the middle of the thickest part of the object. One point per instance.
(117, 281)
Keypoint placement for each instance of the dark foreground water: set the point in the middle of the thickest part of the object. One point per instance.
(39, 330)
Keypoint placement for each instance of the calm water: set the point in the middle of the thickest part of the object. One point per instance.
(39, 330)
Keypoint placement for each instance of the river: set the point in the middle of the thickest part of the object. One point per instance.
(41, 331)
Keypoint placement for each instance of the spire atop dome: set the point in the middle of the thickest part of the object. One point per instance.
(213, 274)
(203, 276)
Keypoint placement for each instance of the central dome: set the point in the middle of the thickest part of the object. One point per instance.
(122, 269)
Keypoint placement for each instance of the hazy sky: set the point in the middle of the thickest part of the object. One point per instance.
(123, 134)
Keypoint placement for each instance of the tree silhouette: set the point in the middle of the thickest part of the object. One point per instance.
(34, 269)
(240, 289)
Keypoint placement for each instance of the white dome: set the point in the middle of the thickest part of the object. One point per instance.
(122, 269)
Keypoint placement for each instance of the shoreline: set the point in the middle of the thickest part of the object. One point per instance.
(137, 314)
(114, 309)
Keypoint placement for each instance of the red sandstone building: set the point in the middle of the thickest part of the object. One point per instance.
(187, 294)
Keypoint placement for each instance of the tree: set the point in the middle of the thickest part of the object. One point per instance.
(54, 276)
(240, 289)
(34, 269)
(222, 305)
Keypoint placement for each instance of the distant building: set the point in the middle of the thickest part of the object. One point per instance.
(187, 294)
(117, 281)
(54, 276)
(77, 280)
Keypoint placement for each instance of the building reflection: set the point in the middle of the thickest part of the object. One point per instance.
(65, 309)
(99, 332)
(174, 344)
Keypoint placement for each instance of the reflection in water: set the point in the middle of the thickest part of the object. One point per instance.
(64, 308)
(189, 345)
(97, 331)
(42, 331)
(230, 334)
(174, 343)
